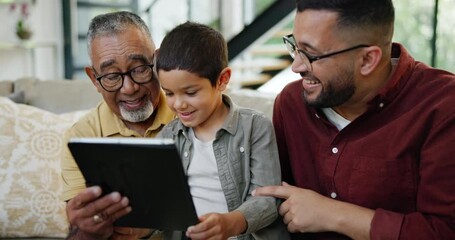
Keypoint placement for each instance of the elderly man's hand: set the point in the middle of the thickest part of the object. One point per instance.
(91, 216)
(127, 233)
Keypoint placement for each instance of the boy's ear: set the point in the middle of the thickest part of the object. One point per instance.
(224, 78)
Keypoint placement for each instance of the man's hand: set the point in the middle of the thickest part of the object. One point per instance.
(91, 217)
(307, 211)
(127, 233)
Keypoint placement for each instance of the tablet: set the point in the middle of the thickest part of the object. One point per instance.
(146, 170)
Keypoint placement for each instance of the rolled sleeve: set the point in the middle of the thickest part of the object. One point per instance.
(386, 225)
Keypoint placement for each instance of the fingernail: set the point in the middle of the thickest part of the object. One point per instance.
(253, 192)
(125, 201)
(115, 196)
(96, 190)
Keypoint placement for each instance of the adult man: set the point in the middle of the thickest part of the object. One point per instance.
(367, 136)
(121, 51)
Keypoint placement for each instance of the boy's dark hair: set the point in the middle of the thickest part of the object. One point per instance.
(354, 13)
(196, 48)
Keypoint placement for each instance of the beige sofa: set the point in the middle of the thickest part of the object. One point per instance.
(30, 144)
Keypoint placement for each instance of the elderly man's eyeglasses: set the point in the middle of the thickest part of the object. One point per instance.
(112, 82)
(307, 58)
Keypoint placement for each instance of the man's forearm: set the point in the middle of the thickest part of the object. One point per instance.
(352, 220)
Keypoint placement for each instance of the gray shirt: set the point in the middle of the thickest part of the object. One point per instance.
(247, 157)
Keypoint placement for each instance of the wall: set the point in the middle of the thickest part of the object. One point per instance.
(17, 59)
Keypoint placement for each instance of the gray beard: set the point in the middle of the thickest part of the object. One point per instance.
(138, 115)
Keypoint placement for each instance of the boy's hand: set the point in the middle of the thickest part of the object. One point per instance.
(218, 226)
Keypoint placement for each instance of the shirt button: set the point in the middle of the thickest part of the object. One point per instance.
(333, 195)
(242, 149)
(185, 154)
(335, 150)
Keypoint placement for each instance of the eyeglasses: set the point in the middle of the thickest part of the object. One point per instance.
(112, 82)
(307, 58)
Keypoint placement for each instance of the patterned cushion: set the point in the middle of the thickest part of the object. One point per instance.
(31, 140)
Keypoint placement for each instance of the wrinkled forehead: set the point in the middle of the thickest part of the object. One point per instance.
(127, 46)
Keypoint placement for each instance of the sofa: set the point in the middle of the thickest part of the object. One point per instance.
(34, 114)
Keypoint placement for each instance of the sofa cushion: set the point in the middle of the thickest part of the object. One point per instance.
(6, 88)
(58, 96)
(262, 102)
(31, 140)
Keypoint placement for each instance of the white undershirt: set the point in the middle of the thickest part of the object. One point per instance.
(335, 118)
(341, 122)
(203, 179)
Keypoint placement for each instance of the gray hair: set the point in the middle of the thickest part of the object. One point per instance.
(110, 24)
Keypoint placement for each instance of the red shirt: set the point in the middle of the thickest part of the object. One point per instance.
(398, 158)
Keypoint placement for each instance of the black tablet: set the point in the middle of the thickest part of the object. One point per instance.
(146, 170)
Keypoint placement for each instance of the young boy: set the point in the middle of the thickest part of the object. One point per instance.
(227, 151)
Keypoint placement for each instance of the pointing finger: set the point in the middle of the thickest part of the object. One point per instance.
(282, 192)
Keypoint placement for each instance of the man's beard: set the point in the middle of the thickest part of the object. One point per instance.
(137, 115)
(337, 92)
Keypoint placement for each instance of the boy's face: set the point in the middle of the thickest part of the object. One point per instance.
(193, 98)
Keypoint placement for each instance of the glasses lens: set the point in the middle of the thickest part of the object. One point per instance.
(291, 48)
(292, 51)
(111, 82)
(142, 74)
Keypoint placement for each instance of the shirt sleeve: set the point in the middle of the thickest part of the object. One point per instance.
(259, 212)
(73, 181)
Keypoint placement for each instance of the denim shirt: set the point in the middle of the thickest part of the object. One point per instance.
(247, 157)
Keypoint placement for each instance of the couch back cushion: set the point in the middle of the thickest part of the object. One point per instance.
(58, 96)
(6, 88)
(31, 141)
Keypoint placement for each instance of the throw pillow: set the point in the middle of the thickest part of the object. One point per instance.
(31, 140)
(17, 97)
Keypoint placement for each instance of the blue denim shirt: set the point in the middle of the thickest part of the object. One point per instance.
(247, 157)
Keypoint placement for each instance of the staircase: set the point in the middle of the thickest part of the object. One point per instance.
(263, 54)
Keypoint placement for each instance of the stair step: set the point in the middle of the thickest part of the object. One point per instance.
(260, 64)
(269, 50)
(245, 80)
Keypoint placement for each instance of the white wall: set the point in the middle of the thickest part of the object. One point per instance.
(47, 58)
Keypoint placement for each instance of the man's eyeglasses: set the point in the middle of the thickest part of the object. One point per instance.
(307, 58)
(112, 82)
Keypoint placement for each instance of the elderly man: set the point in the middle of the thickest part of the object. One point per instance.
(121, 51)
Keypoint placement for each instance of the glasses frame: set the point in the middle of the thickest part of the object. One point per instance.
(123, 74)
(289, 40)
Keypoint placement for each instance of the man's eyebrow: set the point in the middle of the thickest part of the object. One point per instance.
(139, 57)
(106, 64)
(307, 46)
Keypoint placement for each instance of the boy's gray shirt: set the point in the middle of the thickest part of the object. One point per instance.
(247, 157)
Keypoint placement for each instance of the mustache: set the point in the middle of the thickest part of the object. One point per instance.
(308, 75)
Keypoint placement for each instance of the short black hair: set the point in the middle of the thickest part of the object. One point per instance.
(196, 48)
(354, 13)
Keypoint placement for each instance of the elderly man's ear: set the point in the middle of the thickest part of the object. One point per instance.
(91, 74)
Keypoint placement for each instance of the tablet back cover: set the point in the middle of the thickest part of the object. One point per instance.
(148, 171)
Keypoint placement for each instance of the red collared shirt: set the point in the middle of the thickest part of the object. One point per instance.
(398, 158)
